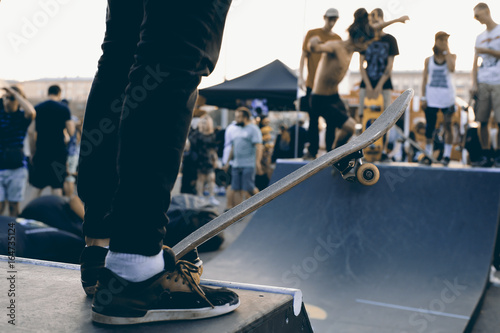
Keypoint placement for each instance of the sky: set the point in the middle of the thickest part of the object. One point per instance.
(62, 38)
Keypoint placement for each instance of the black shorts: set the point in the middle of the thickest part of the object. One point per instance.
(48, 172)
(448, 110)
(331, 107)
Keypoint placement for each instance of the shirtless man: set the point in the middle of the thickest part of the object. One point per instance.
(334, 63)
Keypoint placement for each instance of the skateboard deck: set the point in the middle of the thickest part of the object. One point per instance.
(372, 110)
(425, 157)
(347, 154)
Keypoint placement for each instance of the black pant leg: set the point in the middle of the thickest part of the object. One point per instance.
(179, 42)
(97, 175)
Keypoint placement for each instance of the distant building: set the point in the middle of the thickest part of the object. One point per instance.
(76, 90)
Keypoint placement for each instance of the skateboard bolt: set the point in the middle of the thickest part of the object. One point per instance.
(368, 175)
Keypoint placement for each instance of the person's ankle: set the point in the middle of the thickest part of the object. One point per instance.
(102, 242)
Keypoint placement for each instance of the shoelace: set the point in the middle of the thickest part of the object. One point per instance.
(185, 270)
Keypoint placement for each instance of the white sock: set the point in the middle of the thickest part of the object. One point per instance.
(429, 148)
(106, 247)
(447, 150)
(134, 267)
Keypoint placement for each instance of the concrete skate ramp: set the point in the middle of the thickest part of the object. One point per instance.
(410, 254)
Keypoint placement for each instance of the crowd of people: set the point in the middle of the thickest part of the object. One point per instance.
(126, 178)
(39, 146)
(326, 58)
(54, 136)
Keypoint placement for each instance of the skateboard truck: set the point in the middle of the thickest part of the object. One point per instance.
(352, 168)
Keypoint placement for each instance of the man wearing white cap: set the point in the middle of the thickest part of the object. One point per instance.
(325, 34)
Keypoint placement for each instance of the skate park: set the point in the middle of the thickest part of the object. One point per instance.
(419, 251)
(410, 254)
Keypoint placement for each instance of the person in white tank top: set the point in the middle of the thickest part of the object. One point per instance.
(438, 93)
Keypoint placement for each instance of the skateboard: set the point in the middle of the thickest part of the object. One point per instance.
(424, 157)
(346, 158)
(372, 110)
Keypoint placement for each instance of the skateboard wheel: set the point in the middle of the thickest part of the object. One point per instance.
(368, 174)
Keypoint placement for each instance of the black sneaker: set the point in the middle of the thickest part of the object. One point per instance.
(170, 295)
(423, 159)
(308, 156)
(484, 162)
(384, 158)
(445, 161)
(92, 262)
(497, 162)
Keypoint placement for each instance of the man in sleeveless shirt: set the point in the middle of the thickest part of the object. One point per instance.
(312, 59)
(334, 63)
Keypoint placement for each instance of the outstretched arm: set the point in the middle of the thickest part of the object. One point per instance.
(382, 25)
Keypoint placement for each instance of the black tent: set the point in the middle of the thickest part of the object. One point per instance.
(275, 82)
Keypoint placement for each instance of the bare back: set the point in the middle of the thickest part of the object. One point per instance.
(332, 68)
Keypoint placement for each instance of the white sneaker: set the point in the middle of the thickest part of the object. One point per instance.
(494, 279)
(214, 201)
